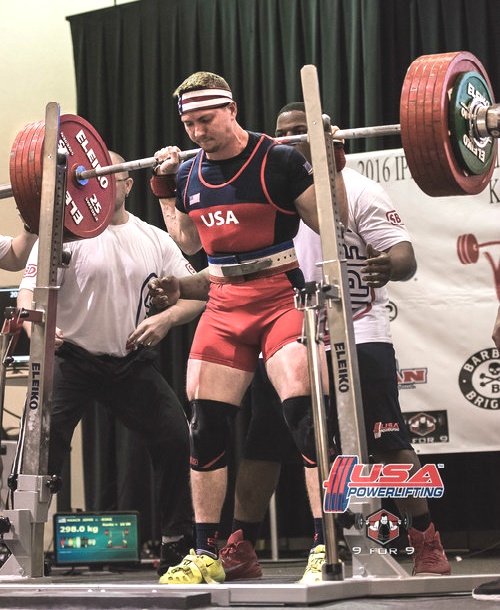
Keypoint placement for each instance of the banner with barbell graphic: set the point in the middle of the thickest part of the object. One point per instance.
(442, 319)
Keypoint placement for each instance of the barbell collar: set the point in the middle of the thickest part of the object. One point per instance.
(487, 121)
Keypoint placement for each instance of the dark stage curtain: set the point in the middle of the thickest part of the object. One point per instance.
(130, 58)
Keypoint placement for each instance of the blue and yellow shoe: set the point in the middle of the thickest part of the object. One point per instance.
(195, 570)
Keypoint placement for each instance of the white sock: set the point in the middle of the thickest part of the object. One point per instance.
(167, 539)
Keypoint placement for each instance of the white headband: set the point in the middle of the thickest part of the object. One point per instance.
(203, 98)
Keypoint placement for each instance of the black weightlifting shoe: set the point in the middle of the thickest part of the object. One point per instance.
(488, 591)
(172, 553)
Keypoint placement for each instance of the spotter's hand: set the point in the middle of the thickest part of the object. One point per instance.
(377, 269)
(164, 291)
(59, 338)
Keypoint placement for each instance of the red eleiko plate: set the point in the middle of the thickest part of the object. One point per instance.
(88, 207)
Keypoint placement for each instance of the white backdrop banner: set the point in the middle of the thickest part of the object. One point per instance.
(441, 320)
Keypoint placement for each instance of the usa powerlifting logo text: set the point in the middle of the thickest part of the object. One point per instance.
(479, 379)
(347, 480)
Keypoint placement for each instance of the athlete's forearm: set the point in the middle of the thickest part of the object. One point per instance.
(195, 286)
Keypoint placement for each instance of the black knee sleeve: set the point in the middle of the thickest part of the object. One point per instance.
(209, 430)
(299, 417)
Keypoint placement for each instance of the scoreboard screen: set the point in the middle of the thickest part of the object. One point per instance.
(85, 538)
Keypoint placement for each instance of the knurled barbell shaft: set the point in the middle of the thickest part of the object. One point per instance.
(128, 166)
(6, 191)
(84, 174)
(341, 134)
(486, 124)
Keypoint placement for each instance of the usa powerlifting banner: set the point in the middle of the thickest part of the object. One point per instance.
(442, 319)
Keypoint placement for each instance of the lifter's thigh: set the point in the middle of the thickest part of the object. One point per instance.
(209, 381)
(288, 371)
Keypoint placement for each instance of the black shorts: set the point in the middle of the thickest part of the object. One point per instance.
(268, 437)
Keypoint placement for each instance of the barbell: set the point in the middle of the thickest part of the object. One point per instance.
(348, 519)
(449, 124)
(361, 521)
(468, 249)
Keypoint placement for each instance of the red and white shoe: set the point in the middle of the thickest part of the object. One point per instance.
(239, 558)
(429, 558)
